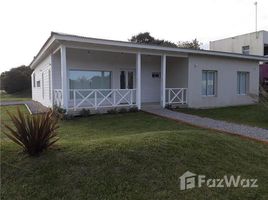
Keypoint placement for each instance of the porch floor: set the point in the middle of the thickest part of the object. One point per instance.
(237, 129)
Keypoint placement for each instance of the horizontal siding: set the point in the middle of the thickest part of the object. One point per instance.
(37, 92)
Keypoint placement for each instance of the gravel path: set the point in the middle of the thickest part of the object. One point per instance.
(243, 130)
(33, 106)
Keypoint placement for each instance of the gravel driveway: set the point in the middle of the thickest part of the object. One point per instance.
(238, 129)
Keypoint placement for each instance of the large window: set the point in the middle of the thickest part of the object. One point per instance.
(80, 79)
(242, 82)
(209, 79)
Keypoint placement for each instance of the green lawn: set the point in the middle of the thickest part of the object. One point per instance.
(253, 115)
(132, 156)
(19, 96)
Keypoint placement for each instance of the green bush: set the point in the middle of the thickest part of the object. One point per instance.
(112, 111)
(59, 112)
(34, 133)
(84, 113)
(263, 98)
(16, 80)
(122, 110)
(133, 109)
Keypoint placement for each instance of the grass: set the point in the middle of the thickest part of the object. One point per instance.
(19, 96)
(253, 115)
(132, 156)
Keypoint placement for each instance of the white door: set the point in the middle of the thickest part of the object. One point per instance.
(127, 79)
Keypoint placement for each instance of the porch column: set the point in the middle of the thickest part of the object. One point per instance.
(64, 77)
(163, 80)
(138, 80)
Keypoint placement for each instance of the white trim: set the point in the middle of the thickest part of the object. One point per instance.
(64, 78)
(163, 79)
(138, 80)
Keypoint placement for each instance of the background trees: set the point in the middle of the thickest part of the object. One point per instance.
(146, 38)
(16, 79)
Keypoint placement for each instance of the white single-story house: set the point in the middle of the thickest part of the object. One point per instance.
(75, 72)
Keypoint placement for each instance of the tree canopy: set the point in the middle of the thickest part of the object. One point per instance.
(17, 79)
(146, 38)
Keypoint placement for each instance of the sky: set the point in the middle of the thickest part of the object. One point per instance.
(26, 24)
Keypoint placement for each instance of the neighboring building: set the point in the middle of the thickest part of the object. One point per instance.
(255, 43)
(77, 72)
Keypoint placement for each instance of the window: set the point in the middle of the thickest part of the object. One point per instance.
(38, 84)
(245, 50)
(265, 50)
(209, 83)
(242, 82)
(80, 79)
(83, 79)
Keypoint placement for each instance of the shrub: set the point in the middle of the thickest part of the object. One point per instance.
(122, 110)
(84, 112)
(263, 98)
(112, 111)
(67, 117)
(168, 106)
(59, 112)
(16, 80)
(34, 133)
(133, 109)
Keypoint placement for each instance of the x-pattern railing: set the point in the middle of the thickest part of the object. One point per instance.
(100, 98)
(176, 96)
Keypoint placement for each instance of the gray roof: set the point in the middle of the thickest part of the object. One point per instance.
(58, 37)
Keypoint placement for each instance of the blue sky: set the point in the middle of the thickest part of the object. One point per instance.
(25, 25)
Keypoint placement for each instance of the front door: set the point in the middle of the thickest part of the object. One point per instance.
(127, 79)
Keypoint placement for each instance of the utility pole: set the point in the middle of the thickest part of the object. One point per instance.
(256, 18)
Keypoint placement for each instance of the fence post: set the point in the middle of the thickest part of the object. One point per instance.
(182, 96)
(95, 96)
(74, 93)
(114, 93)
(131, 97)
(168, 96)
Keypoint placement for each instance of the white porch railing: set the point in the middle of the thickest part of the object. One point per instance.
(176, 96)
(101, 98)
(58, 97)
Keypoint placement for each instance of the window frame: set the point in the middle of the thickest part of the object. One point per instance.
(38, 83)
(238, 86)
(215, 83)
(246, 51)
(92, 70)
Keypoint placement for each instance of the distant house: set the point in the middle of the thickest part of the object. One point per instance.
(255, 43)
(77, 72)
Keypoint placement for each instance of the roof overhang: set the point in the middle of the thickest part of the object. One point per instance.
(56, 39)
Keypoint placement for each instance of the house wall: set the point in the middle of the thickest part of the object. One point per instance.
(226, 94)
(265, 37)
(177, 72)
(150, 87)
(235, 44)
(56, 70)
(43, 94)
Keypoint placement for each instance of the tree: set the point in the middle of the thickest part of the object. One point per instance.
(16, 79)
(194, 44)
(146, 38)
